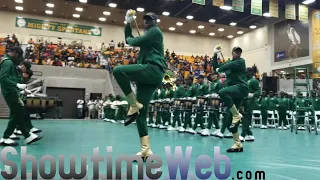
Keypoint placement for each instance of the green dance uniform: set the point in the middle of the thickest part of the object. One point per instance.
(178, 93)
(202, 90)
(190, 92)
(214, 116)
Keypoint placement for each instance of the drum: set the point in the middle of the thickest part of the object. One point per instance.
(166, 104)
(201, 101)
(214, 102)
(157, 105)
(177, 103)
(187, 104)
(151, 106)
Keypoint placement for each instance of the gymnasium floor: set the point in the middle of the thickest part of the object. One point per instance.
(280, 154)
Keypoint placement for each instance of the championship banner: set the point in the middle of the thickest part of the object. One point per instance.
(274, 8)
(200, 2)
(218, 2)
(58, 27)
(291, 11)
(256, 7)
(303, 13)
(238, 5)
(316, 43)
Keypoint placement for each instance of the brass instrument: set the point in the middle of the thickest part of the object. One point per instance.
(168, 79)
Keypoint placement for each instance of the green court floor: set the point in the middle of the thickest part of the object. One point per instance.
(280, 154)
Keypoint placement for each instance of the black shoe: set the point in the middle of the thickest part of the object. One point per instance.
(130, 119)
(231, 150)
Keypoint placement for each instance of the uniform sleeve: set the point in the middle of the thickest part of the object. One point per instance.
(256, 88)
(128, 31)
(220, 86)
(6, 66)
(205, 89)
(145, 39)
(230, 66)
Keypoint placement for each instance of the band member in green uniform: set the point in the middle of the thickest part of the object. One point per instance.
(162, 97)
(214, 116)
(148, 74)
(191, 92)
(235, 92)
(301, 103)
(282, 107)
(249, 104)
(272, 102)
(151, 111)
(263, 106)
(202, 90)
(178, 94)
(10, 89)
(166, 113)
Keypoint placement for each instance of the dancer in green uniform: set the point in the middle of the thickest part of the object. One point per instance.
(10, 89)
(235, 92)
(263, 106)
(202, 90)
(282, 107)
(191, 92)
(178, 94)
(214, 115)
(148, 74)
(249, 104)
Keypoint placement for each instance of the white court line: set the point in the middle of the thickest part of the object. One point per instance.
(311, 160)
(283, 177)
(292, 165)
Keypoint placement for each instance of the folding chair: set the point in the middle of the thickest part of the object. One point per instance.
(272, 119)
(256, 117)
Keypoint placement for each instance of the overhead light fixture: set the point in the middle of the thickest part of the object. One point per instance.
(18, 1)
(50, 5)
(192, 31)
(282, 71)
(166, 13)
(233, 24)
(308, 2)
(158, 20)
(253, 27)
(212, 21)
(48, 12)
(125, 22)
(227, 8)
(134, 17)
(83, 1)
(230, 36)
(200, 27)
(140, 9)
(76, 15)
(19, 8)
(179, 23)
(113, 5)
(211, 34)
(266, 15)
(220, 29)
(79, 9)
(240, 32)
(189, 17)
(172, 28)
(102, 19)
(107, 13)
(301, 71)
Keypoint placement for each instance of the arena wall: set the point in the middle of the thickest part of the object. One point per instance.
(180, 43)
(93, 80)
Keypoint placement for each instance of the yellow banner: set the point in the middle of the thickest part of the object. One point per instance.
(303, 12)
(291, 11)
(274, 8)
(218, 2)
(316, 43)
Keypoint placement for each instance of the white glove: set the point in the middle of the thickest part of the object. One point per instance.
(217, 49)
(21, 102)
(217, 70)
(250, 95)
(27, 91)
(21, 86)
(22, 92)
(129, 17)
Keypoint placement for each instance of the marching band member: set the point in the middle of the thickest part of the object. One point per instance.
(178, 94)
(249, 104)
(190, 93)
(162, 97)
(158, 110)
(166, 122)
(151, 113)
(282, 107)
(235, 91)
(214, 116)
(202, 90)
(264, 105)
(272, 102)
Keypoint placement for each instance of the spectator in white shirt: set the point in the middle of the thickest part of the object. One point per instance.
(80, 103)
(91, 109)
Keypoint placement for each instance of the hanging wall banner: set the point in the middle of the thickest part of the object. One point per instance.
(274, 8)
(303, 12)
(218, 2)
(238, 5)
(58, 27)
(256, 7)
(200, 2)
(291, 11)
(316, 43)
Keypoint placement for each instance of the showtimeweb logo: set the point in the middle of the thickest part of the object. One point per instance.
(280, 55)
(206, 167)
